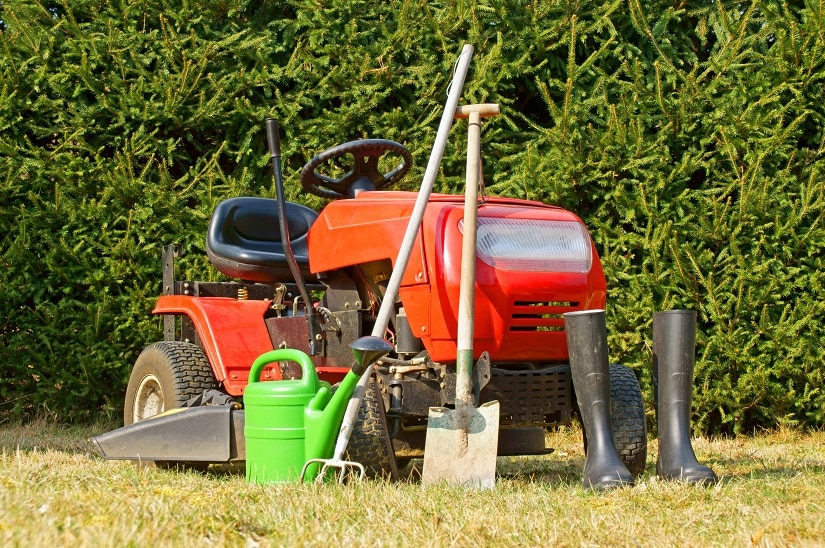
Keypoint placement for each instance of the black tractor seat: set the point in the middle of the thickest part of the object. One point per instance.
(244, 239)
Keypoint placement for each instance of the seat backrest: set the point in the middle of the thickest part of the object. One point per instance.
(244, 239)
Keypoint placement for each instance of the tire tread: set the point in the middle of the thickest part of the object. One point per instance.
(369, 443)
(628, 418)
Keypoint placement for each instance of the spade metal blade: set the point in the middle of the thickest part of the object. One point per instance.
(461, 446)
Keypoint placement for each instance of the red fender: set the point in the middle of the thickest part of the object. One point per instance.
(232, 332)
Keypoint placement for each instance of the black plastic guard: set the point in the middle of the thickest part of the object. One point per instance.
(197, 434)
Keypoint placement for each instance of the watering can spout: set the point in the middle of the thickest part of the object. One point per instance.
(368, 350)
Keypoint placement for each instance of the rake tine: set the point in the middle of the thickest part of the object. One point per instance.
(341, 465)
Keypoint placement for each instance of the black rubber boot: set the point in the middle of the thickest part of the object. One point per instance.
(587, 345)
(674, 344)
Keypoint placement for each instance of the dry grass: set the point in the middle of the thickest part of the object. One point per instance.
(54, 491)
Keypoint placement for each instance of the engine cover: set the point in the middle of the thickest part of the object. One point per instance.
(518, 312)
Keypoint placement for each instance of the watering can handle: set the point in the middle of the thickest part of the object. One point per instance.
(309, 376)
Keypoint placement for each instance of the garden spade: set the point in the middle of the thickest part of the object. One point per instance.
(462, 443)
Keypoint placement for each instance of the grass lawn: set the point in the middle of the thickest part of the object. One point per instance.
(55, 492)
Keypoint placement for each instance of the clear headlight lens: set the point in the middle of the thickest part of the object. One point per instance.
(533, 245)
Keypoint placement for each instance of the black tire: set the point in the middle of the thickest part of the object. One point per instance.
(627, 416)
(370, 442)
(627, 412)
(165, 376)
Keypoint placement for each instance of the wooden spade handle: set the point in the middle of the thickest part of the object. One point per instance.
(484, 110)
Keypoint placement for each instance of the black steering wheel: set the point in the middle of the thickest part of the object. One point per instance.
(364, 173)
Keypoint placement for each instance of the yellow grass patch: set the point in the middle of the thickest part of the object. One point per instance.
(54, 491)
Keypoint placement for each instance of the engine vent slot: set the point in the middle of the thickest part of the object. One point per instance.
(540, 316)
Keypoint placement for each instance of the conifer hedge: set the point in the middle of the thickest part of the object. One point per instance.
(689, 137)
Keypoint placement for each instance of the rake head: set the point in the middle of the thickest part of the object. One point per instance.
(344, 469)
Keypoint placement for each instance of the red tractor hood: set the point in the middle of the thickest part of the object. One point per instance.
(518, 313)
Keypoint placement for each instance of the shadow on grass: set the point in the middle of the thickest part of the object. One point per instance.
(756, 468)
(535, 470)
(560, 469)
(528, 469)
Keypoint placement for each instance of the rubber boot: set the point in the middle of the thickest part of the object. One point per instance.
(587, 345)
(674, 342)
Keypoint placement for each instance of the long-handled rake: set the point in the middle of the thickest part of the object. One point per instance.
(404, 252)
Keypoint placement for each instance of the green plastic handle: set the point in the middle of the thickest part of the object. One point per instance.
(309, 378)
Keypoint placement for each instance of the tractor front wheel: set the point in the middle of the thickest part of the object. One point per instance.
(627, 416)
(627, 413)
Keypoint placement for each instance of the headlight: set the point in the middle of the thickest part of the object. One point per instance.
(533, 245)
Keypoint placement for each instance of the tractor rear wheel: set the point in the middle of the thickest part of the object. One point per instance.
(165, 376)
(370, 442)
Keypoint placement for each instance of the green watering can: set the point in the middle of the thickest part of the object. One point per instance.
(289, 422)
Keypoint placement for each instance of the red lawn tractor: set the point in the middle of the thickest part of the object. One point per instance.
(318, 290)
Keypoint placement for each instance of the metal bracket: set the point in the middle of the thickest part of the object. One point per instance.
(329, 320)
(278, 299)
(481, 376)
(168, 254)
